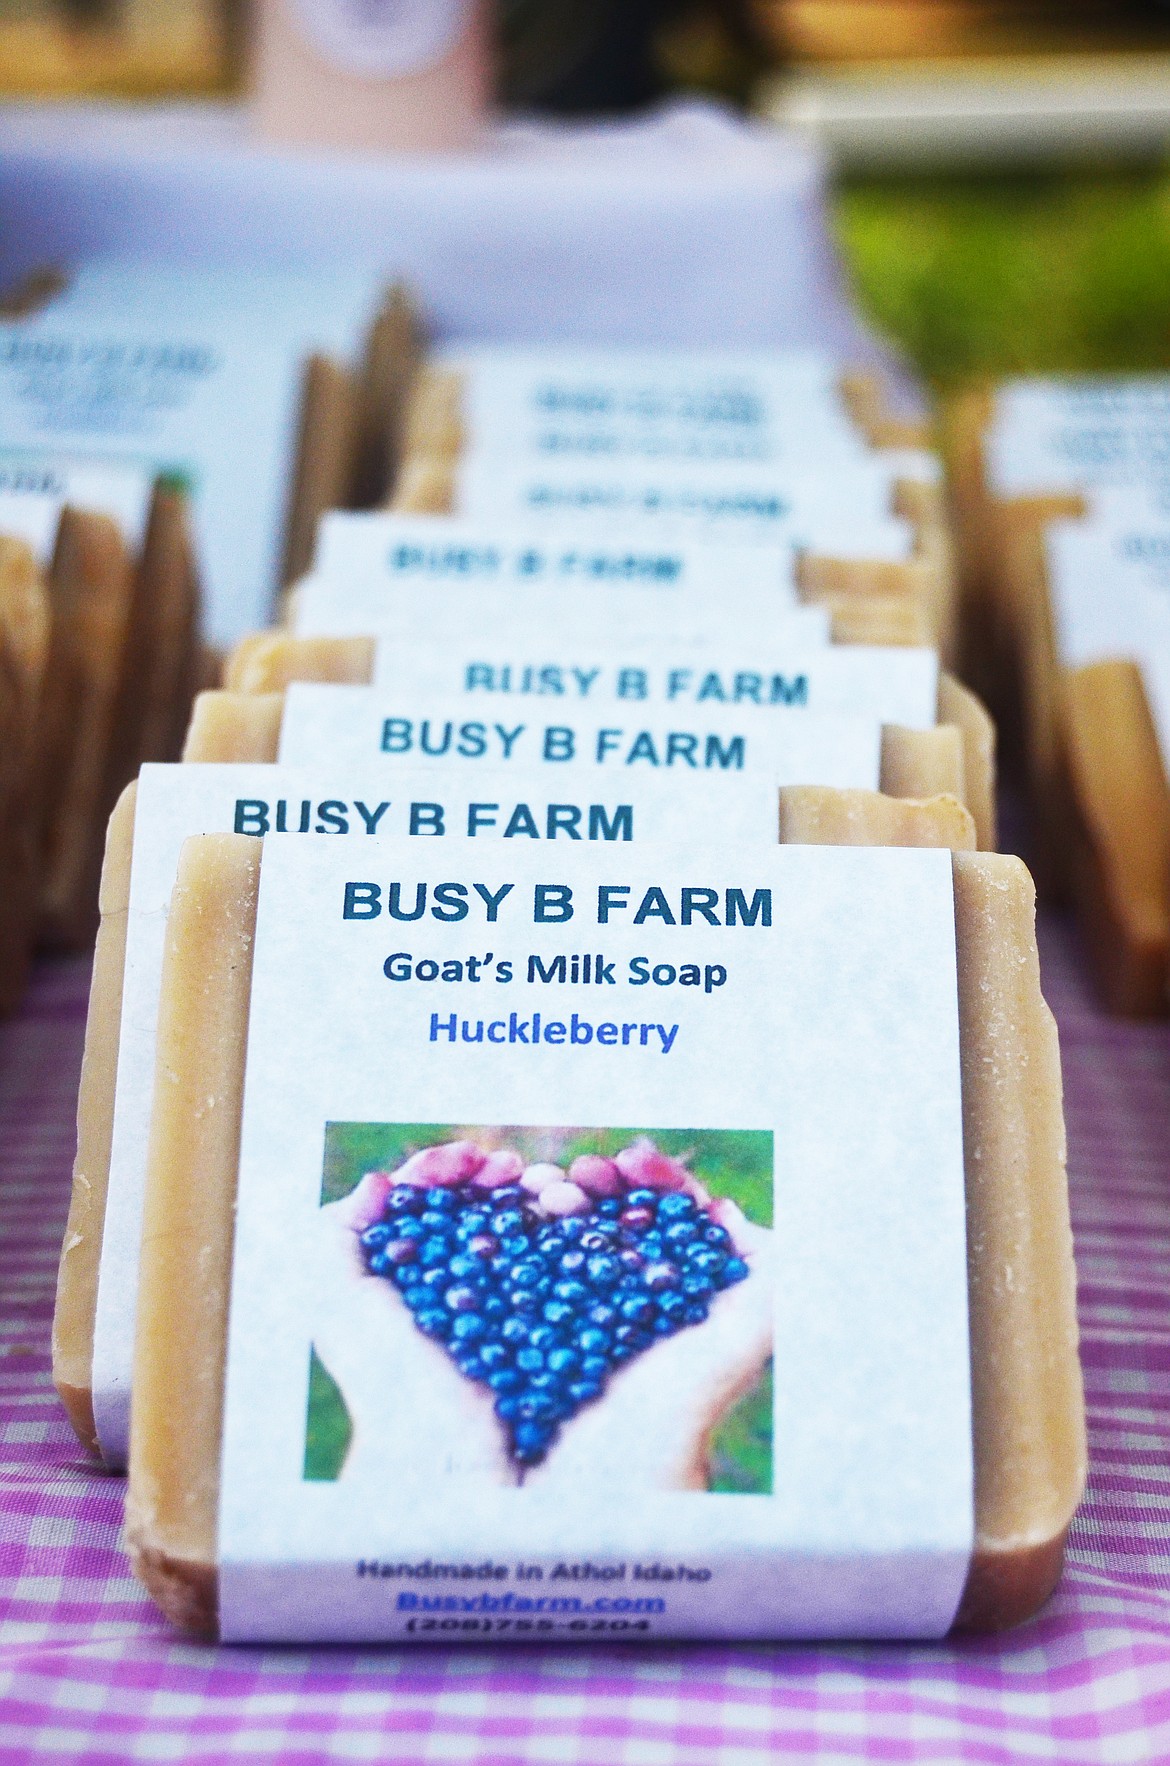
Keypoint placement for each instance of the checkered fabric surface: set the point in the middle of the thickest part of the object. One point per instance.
(89, 1672)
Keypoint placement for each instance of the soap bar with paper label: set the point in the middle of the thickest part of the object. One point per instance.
(93, 1323)
(1025, 1394)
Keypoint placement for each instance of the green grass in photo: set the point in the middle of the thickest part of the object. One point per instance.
(328, 1429)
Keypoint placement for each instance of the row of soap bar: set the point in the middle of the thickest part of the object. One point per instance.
(936, 788)
(1059, 490)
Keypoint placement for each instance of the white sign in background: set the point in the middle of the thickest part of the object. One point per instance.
(836, 1030)
(420, 803)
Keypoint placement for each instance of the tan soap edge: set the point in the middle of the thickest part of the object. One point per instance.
(1027, 1396)
(233, 727)
(960, 707)
(181, 1335)
(268, 662)
(1013, 1568)
(1118, 800)
(819, 815)
(77, 1274)
(922, 763)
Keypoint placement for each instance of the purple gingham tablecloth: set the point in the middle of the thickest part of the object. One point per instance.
(89, 1672)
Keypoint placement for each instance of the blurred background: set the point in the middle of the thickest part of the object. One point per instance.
(1002, 193)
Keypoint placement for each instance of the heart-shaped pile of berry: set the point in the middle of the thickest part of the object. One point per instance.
(540, 1283)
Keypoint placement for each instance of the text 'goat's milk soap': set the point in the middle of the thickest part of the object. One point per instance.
(614, 1220)
(174, 802)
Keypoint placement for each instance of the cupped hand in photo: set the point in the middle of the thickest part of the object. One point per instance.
(652, 1427)
(414, 1415)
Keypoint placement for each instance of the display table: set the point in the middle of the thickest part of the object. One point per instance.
(89, 1671)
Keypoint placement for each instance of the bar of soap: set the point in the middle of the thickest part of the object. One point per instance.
(1117, 803)
(234, 726)
(817, 815)
(24, 633)
(1028, 1410)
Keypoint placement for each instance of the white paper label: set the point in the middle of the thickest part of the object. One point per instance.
(382, 39)
(364, 726)
(357, 551)
(771, 1038)
(175, 802)
(1110, 590)
(35, 487)
(895, 686)
(736, 504)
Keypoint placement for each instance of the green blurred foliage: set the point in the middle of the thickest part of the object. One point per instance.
(977, 277)
(741, 1447)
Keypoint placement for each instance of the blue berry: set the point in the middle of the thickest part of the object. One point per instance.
(681, 1232)
(516, 1245)
(597, 1240)
(635, 1309)
(528, 1273)
(594, 1367)
(602, 1314)
(603, 1271)
(514, 1330)
(404, 1199)
(735, 1269)
(643, 1199)
(529, 1361)
(505, 1379)
(609, 1209)
(433, 1322)
(697, 1281)
(677, 1206)
(467, 1327)
(461, 1298)
(506, 1222)
(696, 1312)
(462, 1266)
(717, 1236)
(556, 1312)
(494, 1355)
(660, 1276)
(593, 1341)
(418, 1298)
(441, 1201)
(530, 1441)
(561, 1361)
(582, 1391)
(375, 1237)
(572, 1261)
(572, 1293)
(432, 1250)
